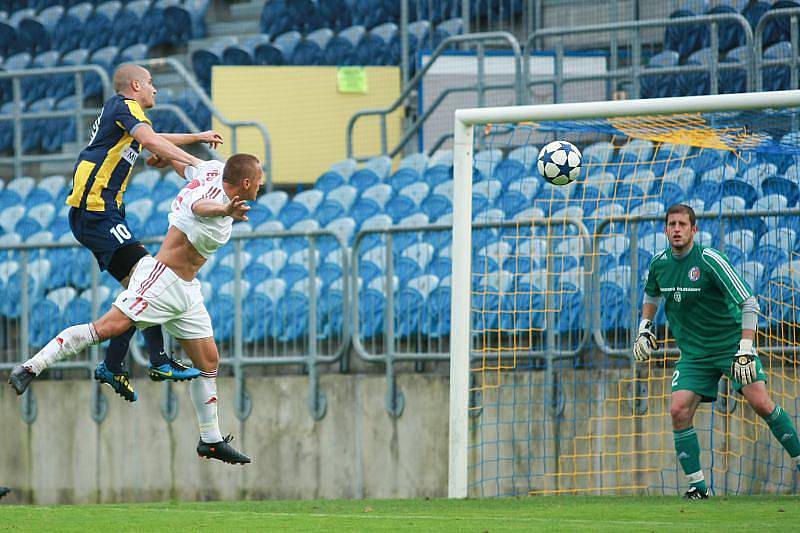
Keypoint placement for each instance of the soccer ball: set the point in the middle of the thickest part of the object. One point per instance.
(559, 162)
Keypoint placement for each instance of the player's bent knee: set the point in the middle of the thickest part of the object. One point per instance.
(112, 324)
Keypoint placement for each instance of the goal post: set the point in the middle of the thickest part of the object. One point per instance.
(502, 352)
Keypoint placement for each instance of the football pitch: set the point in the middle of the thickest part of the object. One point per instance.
(758, 513)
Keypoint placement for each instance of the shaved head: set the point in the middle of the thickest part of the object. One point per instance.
(127, 73)
(133, 81)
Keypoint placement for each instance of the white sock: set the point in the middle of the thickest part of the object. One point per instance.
(72, 340)
(203, 391)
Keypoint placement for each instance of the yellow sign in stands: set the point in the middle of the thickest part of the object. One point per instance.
(352, 79)
(305, 110)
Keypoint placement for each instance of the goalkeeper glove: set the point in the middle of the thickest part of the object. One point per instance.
(646, 341)
(744, 363)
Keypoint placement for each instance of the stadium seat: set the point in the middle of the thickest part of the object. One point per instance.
(344, 195)
(734, 80)
(341, 49)
(375, 47)
(729, 34)
(437, 174)
(527, 155)
(686, 38)
(777, 29)
(660, 85)
(782, 186)
(411, 310)
(777, 77)
(418, 162)
(204, 59)
(363, 179)
(614, 293)
(403, 177)
(243, 53)
(329, 181)
(311, 49)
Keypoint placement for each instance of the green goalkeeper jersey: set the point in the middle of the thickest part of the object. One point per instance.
(702, 294)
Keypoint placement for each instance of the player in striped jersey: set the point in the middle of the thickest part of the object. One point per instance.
(713, 315)
(97, 213)
(165, 290)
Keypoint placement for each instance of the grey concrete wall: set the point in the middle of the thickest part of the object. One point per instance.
(596, 444)
(356, 451)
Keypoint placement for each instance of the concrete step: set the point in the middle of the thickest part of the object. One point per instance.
(246, 10)
(234, 27)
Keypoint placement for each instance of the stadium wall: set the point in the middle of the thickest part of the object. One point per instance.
(356, 451)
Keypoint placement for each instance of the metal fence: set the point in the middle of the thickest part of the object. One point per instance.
(305, 298)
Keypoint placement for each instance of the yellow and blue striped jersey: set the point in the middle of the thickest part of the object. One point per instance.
(101, 173)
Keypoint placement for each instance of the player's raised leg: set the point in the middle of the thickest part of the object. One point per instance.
(776, 418)
(69, 342)
(682, 408)
(203, 391)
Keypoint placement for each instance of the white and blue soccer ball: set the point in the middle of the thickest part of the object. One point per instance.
(559, 162)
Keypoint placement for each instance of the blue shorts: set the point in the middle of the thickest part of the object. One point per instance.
(105, 233)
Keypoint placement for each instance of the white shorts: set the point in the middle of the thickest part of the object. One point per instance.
(156, 295)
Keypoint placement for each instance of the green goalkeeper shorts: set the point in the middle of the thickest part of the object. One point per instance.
(702, 376)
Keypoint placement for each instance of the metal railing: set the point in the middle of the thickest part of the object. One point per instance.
(19, 158)
(319, 324)
(481, 40)
(636, 70)
(234, 125)
(762, 63)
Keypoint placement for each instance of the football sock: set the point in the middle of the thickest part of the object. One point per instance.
(117, 350)
(155, 345)
(203, 391)
(688, 449)
(782, 427)
(67, 343)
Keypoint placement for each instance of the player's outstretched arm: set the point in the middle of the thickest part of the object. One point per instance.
(161, 147)
(645, 343)
(235, 208)
(210, 137)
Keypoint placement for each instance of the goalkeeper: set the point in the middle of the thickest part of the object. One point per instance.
(713, 316)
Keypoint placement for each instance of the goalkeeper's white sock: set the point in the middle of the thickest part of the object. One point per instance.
(72, 340)
(203, 391)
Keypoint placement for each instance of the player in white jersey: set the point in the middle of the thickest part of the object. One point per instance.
(164, 289)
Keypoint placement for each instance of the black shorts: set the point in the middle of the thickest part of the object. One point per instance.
(107, 235)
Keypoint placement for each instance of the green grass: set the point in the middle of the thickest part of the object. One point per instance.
(762, 513)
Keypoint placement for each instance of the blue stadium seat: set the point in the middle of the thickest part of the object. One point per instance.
(447, 28)
(274, 201)
(35, 32)
(508, 171)
(9, 41)
(131, 24)
(660, 85)
(344, 195)
(753, 12)
(329, 181)
(206, 58)
(418, 38)
(729, 34)
(697, 83)
(753, 274)
(685, 38)
(311, 49)
(615, 294)
(375, 47)
(97, 30)
(341, 49)
(185, 21)
(777, 77)
(363, 179)
(735, 80)
(286, 43)
(769, 255)
(777, 29)
(66, 35)
(782, 186)
(380, 194)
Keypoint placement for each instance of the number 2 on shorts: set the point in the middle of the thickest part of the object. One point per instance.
(120, 232)
(675, 376)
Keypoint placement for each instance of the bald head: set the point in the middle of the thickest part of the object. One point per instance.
(133, 81)
(126, 74)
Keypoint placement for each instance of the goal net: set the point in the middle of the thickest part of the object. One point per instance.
(548, 283)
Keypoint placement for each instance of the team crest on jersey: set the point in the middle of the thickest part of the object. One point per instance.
(694, 273)
(677, 296)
